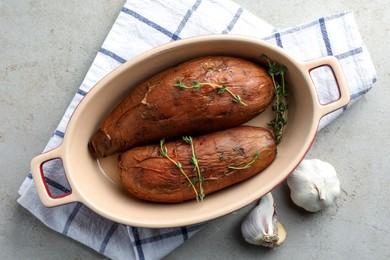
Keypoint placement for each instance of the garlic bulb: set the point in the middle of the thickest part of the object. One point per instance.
(261, 226)
(314, 185)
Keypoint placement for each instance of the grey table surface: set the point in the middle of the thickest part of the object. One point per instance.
(48, 46)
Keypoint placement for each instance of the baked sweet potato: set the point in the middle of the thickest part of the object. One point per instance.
(169, 173)
(202, 95)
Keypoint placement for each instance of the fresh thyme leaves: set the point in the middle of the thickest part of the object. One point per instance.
(196, 85)
(164, 152)
(280, 105)
(222, 89)
(194, 160)
(246, 166)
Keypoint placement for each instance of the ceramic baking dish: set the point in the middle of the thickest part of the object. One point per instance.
(95, 182)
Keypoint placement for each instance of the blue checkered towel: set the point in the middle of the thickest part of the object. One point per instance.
(141, 26)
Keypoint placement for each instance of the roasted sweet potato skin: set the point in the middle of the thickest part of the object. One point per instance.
(158, 109)
(148, 175)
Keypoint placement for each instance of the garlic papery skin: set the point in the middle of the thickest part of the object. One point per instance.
(261, 226)
(314, 185)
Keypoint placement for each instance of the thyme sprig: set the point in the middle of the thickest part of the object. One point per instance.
(194, 160)
(196, 85)
(280, 105)
(248, 165)
(164, 152)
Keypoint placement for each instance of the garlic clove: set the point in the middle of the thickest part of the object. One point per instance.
(314, 185)
(281, 233)
(261, 226)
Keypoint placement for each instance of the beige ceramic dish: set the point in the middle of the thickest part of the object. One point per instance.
(95, 182)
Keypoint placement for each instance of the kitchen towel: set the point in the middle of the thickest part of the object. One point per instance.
(144, 24)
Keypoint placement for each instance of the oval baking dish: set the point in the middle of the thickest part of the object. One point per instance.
(95, 183)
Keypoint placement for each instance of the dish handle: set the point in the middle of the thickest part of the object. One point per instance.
(338, 74)
(41, 183)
